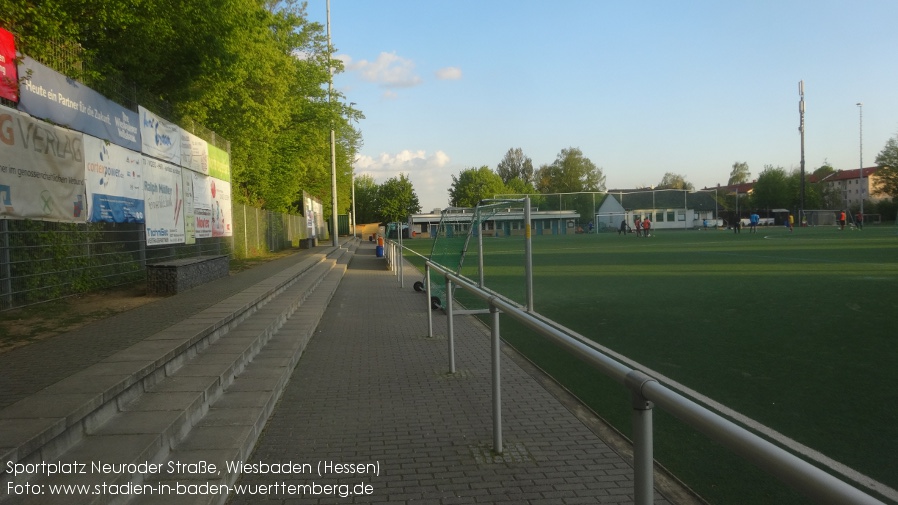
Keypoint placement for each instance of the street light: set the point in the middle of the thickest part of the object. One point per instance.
(352, 172)
(861, 171)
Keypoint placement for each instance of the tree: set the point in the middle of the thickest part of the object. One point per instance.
(739, 174)
(253, 72)
(473, 185)
(571, 172)
(397, 199)
(674, 181)
(772, 189)
(887, 175)
(366, 206)
(515, 166)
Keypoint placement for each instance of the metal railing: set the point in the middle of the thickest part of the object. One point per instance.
(645, 392)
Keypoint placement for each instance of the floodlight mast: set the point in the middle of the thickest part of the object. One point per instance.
(801, 130)
(861, 173)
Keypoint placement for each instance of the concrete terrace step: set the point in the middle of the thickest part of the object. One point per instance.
(233, 424)
(135, 405)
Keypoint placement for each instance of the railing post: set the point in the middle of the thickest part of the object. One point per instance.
(429, 303)
(643, 439)
(497, 382)
(528, 253)
(450, 327)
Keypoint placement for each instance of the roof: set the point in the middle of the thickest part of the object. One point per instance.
(846, 175)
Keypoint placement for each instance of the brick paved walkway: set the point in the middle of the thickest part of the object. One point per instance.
(372, 388)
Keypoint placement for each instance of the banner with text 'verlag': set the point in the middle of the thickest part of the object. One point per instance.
(41, 170)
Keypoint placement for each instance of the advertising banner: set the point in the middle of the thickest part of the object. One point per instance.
(163, 202)
(41, 170)
(114, 182)
(194, 153)
(189, 214)
(48, 94)
(221, 208)
(202, 204)
(159, 137)
(9, 77)
(219, 164)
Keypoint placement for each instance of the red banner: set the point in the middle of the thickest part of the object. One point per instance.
(9, 85)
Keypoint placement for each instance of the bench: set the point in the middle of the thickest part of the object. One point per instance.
(174, 276)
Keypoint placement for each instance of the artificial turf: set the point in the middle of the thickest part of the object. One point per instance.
(795, 330)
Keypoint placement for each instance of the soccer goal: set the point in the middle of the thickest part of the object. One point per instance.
(489, 219)
(820, 218)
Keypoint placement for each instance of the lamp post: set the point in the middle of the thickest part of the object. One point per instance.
(330, 84)
(860, 174)
(352, 172)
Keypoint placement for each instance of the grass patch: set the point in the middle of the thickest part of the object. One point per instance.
(793, 330)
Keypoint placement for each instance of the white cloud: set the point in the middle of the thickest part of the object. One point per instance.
(389, 70)
(449, 74)
(429, 174)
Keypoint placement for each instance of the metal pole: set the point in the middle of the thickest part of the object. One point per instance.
(429, 306)
(863, 188)
(528, 253)
(497, 382)
(449, 324)
(480, 254)
(352, 175)
(643, 439)
(330, 85)
(801, 129)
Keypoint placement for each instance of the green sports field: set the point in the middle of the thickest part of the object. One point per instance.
(794, 330)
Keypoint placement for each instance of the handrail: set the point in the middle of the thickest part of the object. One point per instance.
(647, 392)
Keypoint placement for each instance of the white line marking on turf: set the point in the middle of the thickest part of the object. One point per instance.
(814, 455)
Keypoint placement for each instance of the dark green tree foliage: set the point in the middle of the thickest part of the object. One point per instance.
(887, 175)
(397, 199)
(366, 203)
(473, 185)
(569, 173)
(253, 71)
(772, 189)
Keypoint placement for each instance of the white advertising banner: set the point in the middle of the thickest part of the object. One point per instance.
(41, 170)
(163, 201)
(221, 208)
(189, 214)
(114, 182)
(194, 153)
(159, 137)
(202, 204)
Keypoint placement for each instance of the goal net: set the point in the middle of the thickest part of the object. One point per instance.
(456, 244)
(820, 218)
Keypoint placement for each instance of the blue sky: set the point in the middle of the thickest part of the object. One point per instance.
(642, 88)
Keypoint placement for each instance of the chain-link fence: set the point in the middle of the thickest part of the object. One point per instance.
(42, 261)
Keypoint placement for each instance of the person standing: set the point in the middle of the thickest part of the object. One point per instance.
(753, 221)
(791, 222)
(623, 228)
(842, 220)
(638, 225)
(646, 227)
(860, 220)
